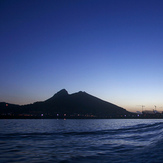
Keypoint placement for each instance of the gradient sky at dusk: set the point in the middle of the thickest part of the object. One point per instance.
(112, 49)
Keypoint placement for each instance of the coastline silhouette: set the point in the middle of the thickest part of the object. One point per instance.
(65, 105)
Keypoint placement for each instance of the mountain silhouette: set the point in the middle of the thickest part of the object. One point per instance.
(59, 94)
(63, 104)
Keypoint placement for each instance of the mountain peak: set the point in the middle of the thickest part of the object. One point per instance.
(81, 92)
(62, 92)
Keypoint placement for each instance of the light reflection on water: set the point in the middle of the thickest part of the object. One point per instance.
(49, 140)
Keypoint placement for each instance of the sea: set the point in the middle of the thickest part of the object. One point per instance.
(81, 140)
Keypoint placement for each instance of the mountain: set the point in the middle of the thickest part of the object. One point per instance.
(62, 104)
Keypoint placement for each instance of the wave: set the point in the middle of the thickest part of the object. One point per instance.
(135, 143)
(136, 129)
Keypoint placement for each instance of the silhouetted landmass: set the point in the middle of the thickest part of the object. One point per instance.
(64, 105)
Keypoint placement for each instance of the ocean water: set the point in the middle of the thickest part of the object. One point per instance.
(81, 140)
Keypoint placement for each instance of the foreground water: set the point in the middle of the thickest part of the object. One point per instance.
(111, 140)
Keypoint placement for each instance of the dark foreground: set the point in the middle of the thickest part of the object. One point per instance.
(81, 140)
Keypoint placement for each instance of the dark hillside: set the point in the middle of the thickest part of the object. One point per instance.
(62, 103)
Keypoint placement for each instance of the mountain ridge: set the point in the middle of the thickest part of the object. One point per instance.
(62, 103)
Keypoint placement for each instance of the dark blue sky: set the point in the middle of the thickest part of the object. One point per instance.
(112, 49)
